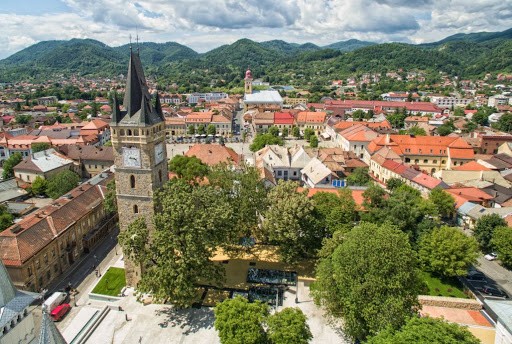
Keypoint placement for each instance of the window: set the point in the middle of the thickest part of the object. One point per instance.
(434, 161)
(135, 209)
(455, 163)
(425, 161)
(279, 173)
(132, 181)
(160, 175)
(29, 271)
(417, 161)
(443, 161)
(121, 132)
(37, 264)
(135, 132)
(129, 132)
(45, 258)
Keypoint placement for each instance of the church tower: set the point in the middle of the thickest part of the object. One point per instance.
(248, 81)
(140, 157)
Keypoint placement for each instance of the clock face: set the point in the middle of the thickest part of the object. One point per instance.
(159, 153)
(131, 157)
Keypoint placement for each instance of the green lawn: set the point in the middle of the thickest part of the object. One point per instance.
(111, 283)
(442, 287)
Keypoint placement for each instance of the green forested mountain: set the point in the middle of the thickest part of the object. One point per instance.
(275, 61)
(350, 45)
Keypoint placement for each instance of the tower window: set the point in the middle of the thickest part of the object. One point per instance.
(129, 132)
(135, 209)
(121, 132)
(132, 181)
(135, 132)
(160, 175)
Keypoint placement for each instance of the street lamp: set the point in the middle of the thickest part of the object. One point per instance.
(297, 289)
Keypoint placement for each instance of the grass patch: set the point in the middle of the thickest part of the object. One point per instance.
(436, 286)
(111, 283)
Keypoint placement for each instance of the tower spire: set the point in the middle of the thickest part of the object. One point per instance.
(49, 334)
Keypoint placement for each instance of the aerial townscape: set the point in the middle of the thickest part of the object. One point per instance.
(357, 189)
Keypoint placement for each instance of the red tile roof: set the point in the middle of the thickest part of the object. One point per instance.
(212, 154)
(283, 118)
(471, 166)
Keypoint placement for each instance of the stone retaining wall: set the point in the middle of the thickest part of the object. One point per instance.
(450, 302)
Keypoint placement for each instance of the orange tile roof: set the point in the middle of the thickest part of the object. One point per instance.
(311, 117)
(212, 154)
(471, 166)
(357, 195)
(470, 194)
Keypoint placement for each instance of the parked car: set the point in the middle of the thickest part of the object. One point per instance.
(491, 256)
(493, 291)
(475, 276)
(60, 311)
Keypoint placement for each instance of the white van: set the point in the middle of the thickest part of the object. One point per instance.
(54, 300)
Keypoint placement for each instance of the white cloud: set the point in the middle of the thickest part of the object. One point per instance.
(206, 25)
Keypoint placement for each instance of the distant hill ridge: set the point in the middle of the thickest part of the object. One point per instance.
(462, 54)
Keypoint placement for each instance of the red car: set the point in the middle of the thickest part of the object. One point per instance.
(58, 312)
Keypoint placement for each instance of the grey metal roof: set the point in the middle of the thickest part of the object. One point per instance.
(49, 334)
(7, 290)
(503, 309)
(466, 207)
(263, 97)
(138, 108)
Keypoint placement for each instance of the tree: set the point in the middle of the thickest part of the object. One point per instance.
(308, 132)
(359, 177)
(296, 132)
(426, 330)
(417, 131)
(313, 141)
(188, 168)
(9, 164)
(286, 132)
(505, 123)
(40, 146)
(22, 119)
(211, 129)
(459, 111)
(262, 140)
(245, 192)
(484, 229)
(358, 115)
(274, 131)
(288, 327)
(110, 202)
(191, 130)
(39, 186)
(190, 223)
(443, 202)
(444, 130)
(62, 183)
(394, 183)
(240, 322)
(448, 252)
(334, 211)
(201, 130)
(385, 295)
(289, 222)
(6, 218)
(502, 243)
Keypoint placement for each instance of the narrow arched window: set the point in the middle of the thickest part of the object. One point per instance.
(121, 132)
(129, 132)
(132, 181)
(160, 175)
(135, 209)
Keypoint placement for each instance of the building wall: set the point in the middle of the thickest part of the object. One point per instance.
(502, 334)
(90, 168)
(137, 201)
(55, 259)
(22, 333)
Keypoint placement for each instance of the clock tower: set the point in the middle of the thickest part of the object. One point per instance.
(140, 158)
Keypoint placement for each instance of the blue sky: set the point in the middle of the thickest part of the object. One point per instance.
(204, 25)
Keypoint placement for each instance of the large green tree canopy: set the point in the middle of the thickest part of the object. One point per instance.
(370, 280)
(426, 330)
(190, 223)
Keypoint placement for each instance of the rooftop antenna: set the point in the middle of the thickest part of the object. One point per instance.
(130, 42)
